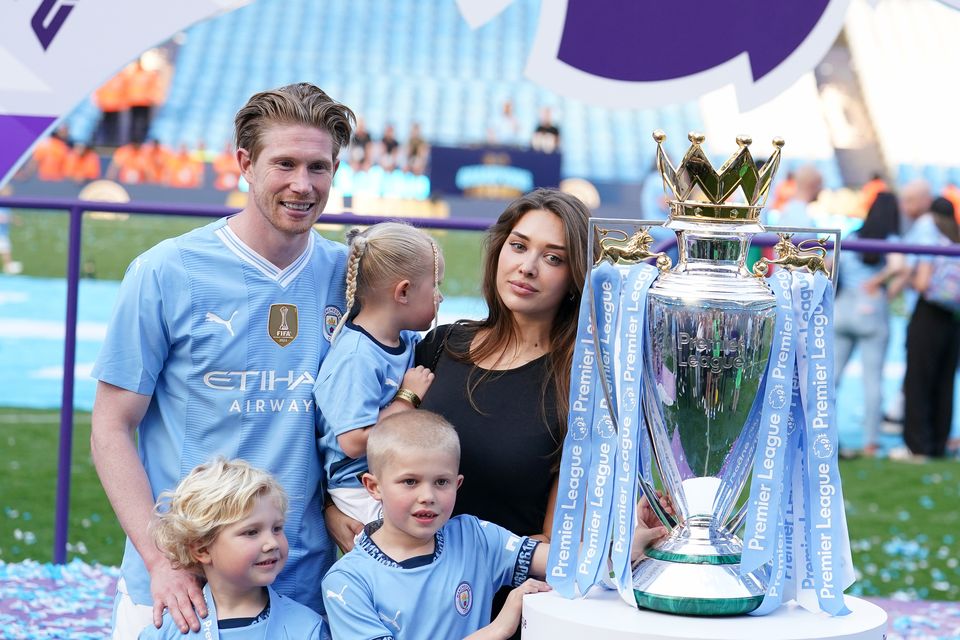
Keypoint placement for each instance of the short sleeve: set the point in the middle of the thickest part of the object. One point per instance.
(509, 555)
(350, 609)
(348, 395)
(138, 337)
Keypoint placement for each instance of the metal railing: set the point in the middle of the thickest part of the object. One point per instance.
(76, 209)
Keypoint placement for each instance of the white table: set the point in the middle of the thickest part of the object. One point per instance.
(604, 616)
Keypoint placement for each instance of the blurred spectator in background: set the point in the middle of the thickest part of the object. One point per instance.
(916, 225)
(796, 212)
(869, 191)
(226, 169)
(128, 165)
(417, 151)
(506, 128)
(81, 164)
(952, 193)
(181, 170)
(6, 255)
(154, 161)
(50, 154)
(360, 147)
(933, 347)
(861, 314)
(111, 99)
(784, 192)
(389, 148)
(143, 92)
(546, 137)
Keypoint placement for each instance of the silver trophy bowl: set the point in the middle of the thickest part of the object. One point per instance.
(710, 325)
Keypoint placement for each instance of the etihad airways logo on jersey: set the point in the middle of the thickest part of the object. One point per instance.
(257, 380)
(263, 381)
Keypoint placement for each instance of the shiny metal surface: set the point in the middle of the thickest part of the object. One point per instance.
(710, 325)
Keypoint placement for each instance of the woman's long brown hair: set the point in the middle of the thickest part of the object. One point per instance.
(499, 329)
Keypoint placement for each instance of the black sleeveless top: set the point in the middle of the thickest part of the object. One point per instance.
(508, 451)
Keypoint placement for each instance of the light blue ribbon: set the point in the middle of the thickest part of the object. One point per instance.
(770, 462)
(782, 586)
(606, 285)
(575, 460)
(825, 509)
(631, 435)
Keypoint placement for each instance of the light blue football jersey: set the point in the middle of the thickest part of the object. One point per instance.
(369, 596)
(228, 346)
(359, 377)
(286, 619)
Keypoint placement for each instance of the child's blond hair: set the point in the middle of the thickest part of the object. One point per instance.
(388, 250)
(419, 430)
(212, 496)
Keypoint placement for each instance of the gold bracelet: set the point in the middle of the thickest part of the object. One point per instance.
(409, 396)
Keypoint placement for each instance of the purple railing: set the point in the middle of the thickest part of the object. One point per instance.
(76, 209)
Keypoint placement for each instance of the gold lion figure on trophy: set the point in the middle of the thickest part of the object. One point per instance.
(630, 249)
(810, 253)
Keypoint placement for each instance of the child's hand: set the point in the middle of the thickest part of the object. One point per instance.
(417, 380)
(509, 617)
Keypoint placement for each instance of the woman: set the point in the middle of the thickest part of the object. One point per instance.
(933, 346)
(504, 381)
(861, 312)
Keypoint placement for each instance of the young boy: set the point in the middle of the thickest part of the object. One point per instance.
(418, 573)
(226, 519)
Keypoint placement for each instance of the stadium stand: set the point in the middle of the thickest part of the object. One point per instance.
(407, 61)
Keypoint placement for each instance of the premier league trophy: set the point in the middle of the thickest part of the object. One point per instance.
(710, 325)
(693, 369)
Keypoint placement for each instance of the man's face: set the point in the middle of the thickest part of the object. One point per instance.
(914, 201)
(291, 176)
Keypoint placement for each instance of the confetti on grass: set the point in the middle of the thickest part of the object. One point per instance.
(56, 601)
(75, 601)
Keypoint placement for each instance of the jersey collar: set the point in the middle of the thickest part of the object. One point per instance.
(282, 277)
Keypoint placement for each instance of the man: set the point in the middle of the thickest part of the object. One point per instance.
(808, 183)
(546, 137)
(213, 347)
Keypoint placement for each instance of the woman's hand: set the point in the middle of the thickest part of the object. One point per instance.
(342, 528)
(647, 517)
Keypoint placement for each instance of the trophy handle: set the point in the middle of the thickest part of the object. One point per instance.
(734, 523)
(668, 521)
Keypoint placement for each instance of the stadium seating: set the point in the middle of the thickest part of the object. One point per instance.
(401, 62)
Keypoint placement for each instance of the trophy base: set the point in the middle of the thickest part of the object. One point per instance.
(697, 585)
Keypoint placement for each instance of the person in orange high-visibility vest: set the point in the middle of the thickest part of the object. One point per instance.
(111, 99)
(50, 154)
(81, 164)
(181, 171)
(142, 95)
(226, 169)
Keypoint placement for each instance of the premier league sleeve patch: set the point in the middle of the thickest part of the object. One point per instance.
(331, 318)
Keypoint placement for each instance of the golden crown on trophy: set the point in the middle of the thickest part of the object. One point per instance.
(700, 191)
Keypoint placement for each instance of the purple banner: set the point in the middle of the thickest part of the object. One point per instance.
(18, 134)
